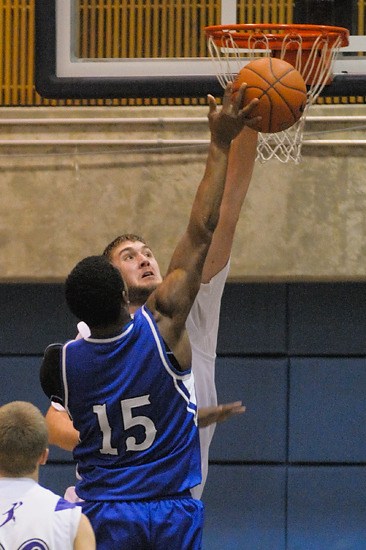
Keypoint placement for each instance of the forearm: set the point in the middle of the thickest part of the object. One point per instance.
(204, 216)
(242, 156)
(190, 254)
(206, 207)
(61, 431)
(225, 126)
(239, 173)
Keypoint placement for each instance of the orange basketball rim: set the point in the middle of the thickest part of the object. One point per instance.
(304, 46)
(310, 49)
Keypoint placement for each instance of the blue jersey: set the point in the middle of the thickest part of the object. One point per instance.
(136, 414)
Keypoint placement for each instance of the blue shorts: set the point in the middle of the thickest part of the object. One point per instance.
(174, 524)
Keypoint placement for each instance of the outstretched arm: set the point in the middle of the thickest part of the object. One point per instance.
(172, 300)
(242, 156)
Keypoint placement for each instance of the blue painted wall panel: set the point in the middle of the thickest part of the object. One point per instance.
(327, 410)
(326, 508)
(295, 354)
(20, 382)
(259, 433)
(57, 477)
(327, 318)
(32, 316)
(253, 319)
(245, 508)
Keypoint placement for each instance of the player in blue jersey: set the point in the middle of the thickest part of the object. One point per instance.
(30, 515)
(134, 258)
(129, 386)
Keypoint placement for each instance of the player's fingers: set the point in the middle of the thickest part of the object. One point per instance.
(251, 105)
(233, 405)
(246, 114)
(236, 408)
(253, 122)
(211, 104)
(232, 408)
(239, 97)
(227, 103)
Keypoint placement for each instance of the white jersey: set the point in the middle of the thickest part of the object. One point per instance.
(202, 327)
(32, 517)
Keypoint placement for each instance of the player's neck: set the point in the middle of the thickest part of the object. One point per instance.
(132, 308)
(34, 476)
(111, 330)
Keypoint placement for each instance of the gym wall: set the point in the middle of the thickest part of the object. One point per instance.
(290, 473)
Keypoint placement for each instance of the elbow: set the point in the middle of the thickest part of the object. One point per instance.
(210, 222)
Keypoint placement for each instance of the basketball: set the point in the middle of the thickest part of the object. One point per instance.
(281, 91)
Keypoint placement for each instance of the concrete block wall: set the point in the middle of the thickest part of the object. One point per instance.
(63, 202)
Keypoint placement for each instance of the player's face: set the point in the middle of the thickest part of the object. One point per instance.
(138, 267)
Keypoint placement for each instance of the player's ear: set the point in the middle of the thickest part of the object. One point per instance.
(44, 457)
(125, 297)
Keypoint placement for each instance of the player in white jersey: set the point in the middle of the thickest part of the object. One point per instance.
(30, 515)
(202, 323)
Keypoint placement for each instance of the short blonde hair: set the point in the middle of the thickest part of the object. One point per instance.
(23, 438)
(119, 240)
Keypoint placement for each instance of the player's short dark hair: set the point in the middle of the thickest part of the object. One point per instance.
(93, 291)
(119, 240)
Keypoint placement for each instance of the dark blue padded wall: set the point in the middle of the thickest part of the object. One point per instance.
(295, 355)
(326, 507)
(261, 433)
(245, 507)
(327, 319)
(253, 320)
(327, 410)
(31, 317)
(289, 474)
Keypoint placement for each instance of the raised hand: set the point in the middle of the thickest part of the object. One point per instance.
(226, 123)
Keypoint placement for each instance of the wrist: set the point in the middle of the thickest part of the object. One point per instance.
(220, 144)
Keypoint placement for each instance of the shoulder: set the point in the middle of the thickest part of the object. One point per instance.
(50, 376)
(57, 502)
(52, 354)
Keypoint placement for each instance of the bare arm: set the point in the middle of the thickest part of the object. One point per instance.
(61, 431)
(85, 538)
(172, 300)
(239, 173)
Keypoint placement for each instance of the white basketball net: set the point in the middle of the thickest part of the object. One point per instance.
(228, 60)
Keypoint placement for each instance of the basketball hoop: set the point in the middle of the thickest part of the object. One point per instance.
(311, 49)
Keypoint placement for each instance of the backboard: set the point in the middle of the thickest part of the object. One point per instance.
(61, 71)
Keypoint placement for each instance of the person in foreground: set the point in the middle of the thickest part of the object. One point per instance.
(132, 255)
(30, 515)
(129, 386)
